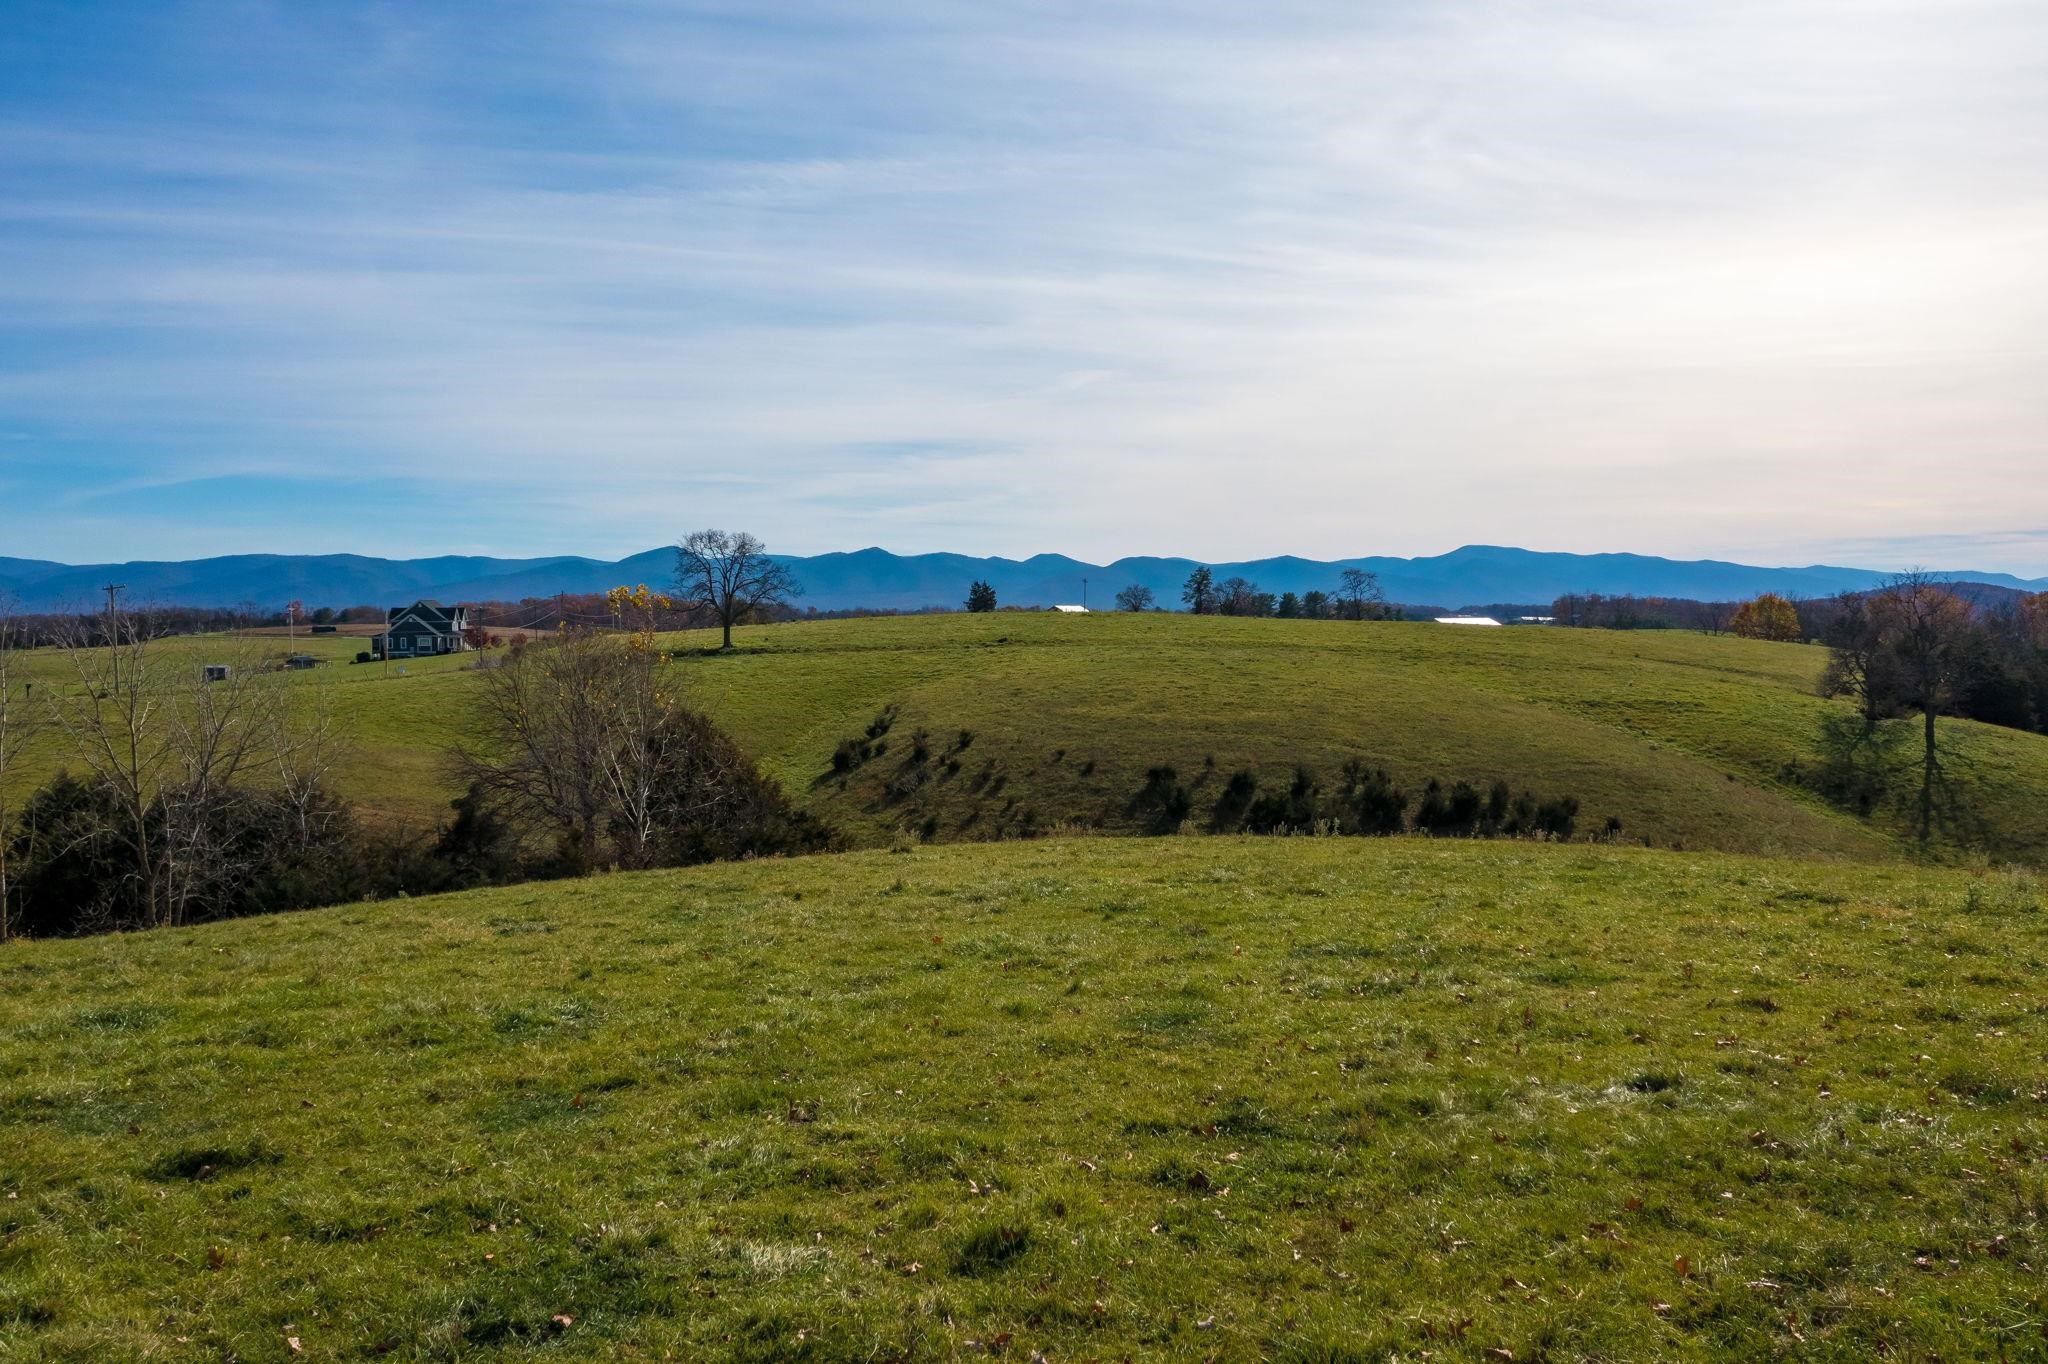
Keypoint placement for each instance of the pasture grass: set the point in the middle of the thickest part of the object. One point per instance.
(1037, 722)
(1300, 1099)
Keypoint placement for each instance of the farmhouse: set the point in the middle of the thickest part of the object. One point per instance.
(421, 630)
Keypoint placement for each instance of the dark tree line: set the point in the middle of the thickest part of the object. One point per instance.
(1595, 611)
(52, 629)
(1357, 597)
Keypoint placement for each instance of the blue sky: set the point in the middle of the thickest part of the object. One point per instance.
(1765, 281)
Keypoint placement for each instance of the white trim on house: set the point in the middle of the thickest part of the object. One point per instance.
(412, 632)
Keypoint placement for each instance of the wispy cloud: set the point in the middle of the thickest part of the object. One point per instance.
(1203, 278)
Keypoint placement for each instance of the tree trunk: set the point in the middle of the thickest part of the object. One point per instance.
(1927, 781)
(726, 621)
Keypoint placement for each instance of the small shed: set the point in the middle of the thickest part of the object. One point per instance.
(301, 662)
(215, 672)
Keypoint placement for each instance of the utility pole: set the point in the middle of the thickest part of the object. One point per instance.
(113, 590)
(1084, 594)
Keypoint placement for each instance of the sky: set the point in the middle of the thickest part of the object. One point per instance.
(1761, 280)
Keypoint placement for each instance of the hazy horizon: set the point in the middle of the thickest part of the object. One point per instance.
(1762, 282)
(428, 552)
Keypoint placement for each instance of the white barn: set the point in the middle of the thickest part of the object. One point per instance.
(1466, 620)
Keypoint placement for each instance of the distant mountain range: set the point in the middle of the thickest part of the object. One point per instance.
(875, 578)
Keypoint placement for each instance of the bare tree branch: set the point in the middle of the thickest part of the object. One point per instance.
(730, 574)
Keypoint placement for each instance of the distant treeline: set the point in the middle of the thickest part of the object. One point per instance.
(580, 610)
(42, 630)
(1595, 611)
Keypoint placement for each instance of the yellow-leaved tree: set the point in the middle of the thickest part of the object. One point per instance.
(1768, 616)
(636, 609)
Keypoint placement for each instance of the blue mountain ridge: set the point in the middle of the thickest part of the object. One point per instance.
(875, 578)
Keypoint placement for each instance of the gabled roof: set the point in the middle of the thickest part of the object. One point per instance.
(430, 614)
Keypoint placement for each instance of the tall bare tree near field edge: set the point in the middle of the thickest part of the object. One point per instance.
(1902, 649)
(730, 574)
(1927, 624)
(168, 746)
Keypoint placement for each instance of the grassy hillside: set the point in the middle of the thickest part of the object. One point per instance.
(1683, 738)
(1280, 1099)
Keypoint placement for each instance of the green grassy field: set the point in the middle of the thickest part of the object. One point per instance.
(1683, 738)
(1301, 1099)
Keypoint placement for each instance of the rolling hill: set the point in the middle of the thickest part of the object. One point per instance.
(877, 579)
(1036, 722)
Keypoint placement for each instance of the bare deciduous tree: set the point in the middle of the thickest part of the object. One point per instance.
(543, 720)
(166, 745)
(1900, 649)
(1860, 665)
(1136, 597)
(585, 739)
(1361, 595)
(730, 574)
(1238, 597)
(307, 738)
(641, 743)
(579, 734)
(1925, 625)
(112, 713)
